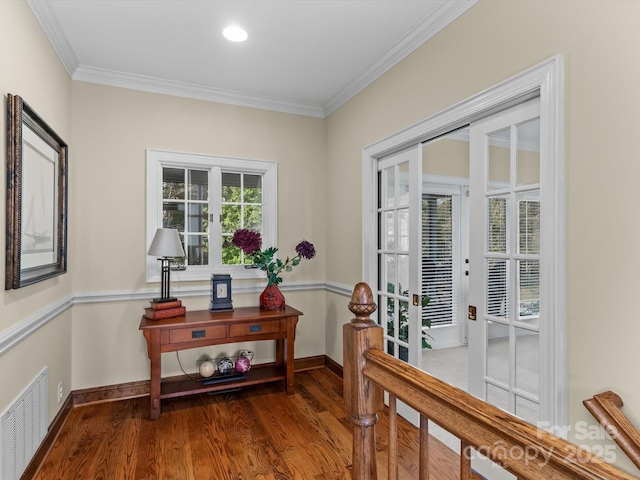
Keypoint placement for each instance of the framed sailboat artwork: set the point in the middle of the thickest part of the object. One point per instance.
(36, 198)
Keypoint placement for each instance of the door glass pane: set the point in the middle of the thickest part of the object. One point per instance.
(528, 361)
(527, 410)
(389, 231)
(499, 159)
(498, 352)
(390, 278)
(498, 397)
(391, 316)
(528, 153)
(231, 187)
(403, 274)
(403, 230)
(529, 288)
(403, 320)
(403, 184)
(498, 225)
(529, 223)
(497, 287)
(390, 186)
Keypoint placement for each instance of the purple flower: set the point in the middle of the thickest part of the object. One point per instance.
(247, 240)
(306, 250)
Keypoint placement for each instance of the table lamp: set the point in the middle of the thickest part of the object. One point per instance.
(165, 244)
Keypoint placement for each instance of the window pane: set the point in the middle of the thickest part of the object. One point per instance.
(253, 217)
(252, 189)
(197, 250)
(498, 397)
(173, 183)
(230, 255)
(231, 191)
(231, 218)
(198, 218)
(198, 185)
(173, 215)
(391, 315)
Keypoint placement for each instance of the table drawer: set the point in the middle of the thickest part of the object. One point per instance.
(186, 335)
(254, 328)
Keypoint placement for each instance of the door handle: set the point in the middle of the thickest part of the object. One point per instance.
(472, 312)
(416, 300)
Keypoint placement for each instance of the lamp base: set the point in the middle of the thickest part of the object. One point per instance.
(164, 300)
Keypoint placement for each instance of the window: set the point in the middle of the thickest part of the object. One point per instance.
(207, 199)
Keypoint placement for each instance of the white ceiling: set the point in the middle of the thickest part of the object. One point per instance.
(303, 56)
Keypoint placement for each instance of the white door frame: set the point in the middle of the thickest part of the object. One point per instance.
(546, 81)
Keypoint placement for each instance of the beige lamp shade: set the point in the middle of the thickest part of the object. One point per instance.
(166, 243)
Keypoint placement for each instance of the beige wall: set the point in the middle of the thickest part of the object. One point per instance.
(112, 128)
(31, 69)
(491, 42)
(108, 130)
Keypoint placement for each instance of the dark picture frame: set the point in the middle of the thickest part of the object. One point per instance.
(36, 246)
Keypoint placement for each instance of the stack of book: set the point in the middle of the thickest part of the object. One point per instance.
(158, 311)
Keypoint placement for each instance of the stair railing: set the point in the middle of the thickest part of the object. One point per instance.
(368, 372)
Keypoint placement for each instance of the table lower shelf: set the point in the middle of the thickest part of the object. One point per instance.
(257, 375)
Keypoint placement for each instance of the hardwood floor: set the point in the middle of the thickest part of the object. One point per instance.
(256, 433)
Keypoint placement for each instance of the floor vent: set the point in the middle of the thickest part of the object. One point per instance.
(23, 427)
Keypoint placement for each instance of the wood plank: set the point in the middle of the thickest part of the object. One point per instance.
(257, 433)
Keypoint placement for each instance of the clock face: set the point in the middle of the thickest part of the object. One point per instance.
(221, 290)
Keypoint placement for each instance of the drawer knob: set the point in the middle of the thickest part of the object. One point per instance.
(255, 328)
(198, 334)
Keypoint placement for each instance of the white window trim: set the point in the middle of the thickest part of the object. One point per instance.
(158, 159)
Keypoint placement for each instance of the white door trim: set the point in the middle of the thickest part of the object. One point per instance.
(546, 81)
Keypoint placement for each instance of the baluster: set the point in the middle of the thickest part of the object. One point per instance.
(393, 438)
(424, 448)
(363, 398)
(465, 460)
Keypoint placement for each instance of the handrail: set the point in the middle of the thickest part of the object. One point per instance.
(605, 407)
(494, 433)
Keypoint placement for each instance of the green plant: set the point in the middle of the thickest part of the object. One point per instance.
(403, 316)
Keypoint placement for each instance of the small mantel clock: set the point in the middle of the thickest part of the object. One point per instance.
(221, 293)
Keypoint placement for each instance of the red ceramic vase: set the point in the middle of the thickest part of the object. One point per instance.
(271, 298)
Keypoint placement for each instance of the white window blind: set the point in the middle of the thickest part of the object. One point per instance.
(437, 259)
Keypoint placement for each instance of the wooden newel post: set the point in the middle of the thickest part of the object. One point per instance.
(364, 399)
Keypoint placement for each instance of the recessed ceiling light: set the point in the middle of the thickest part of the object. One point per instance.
(235, 34)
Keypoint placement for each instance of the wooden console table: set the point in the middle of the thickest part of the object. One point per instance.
(202, 328)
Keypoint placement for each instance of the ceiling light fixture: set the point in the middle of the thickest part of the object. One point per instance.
(235, 34)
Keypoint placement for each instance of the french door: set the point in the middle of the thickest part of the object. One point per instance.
(399, 297)
(505, 322)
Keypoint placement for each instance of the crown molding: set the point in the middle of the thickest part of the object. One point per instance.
(58, 40)
(445, 13)
(189, 90)
(442, 16)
